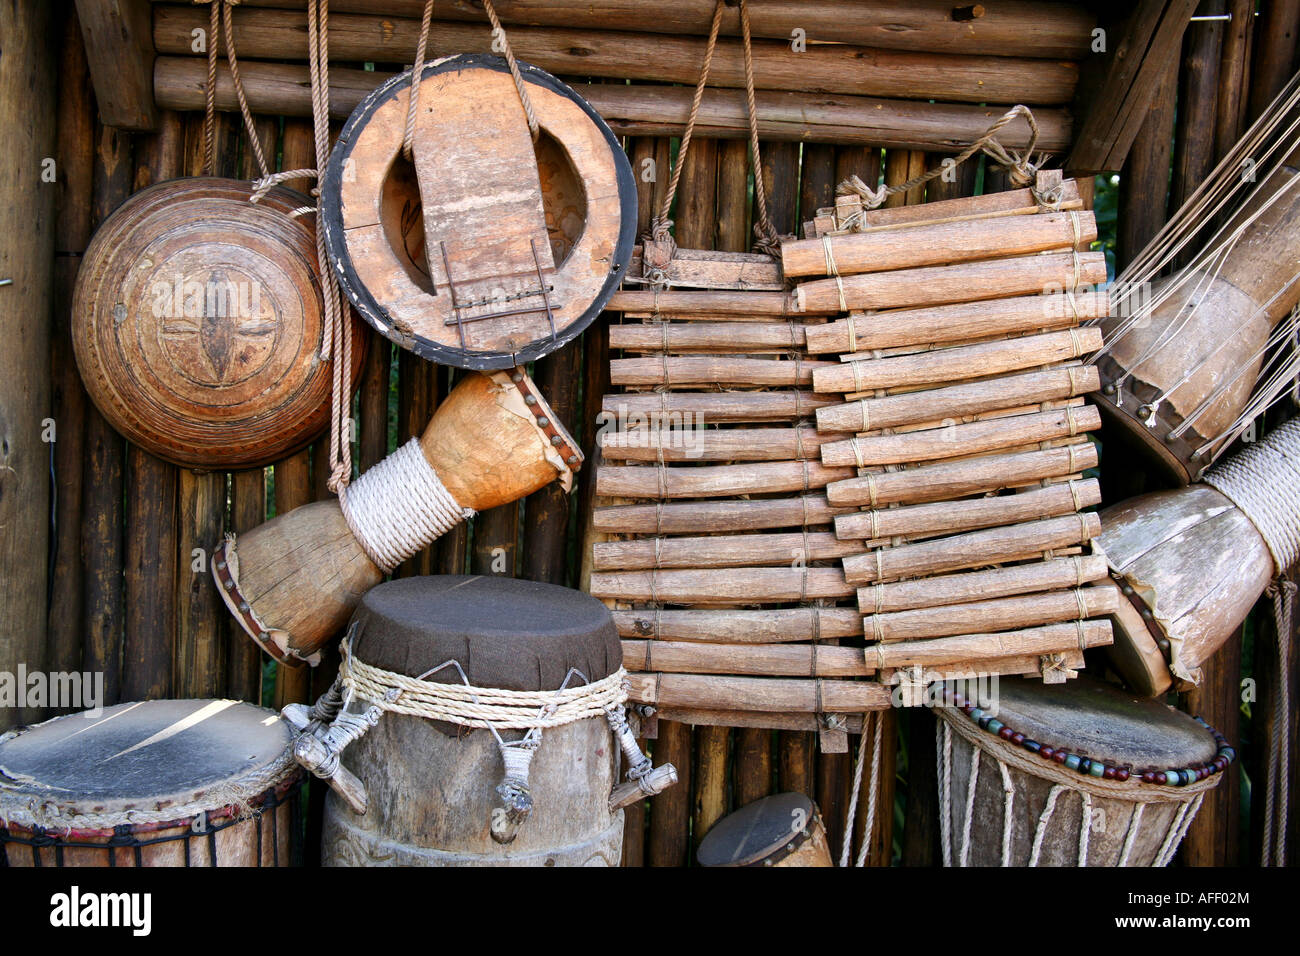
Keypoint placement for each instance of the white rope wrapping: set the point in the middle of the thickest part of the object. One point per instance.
(1044, 819)
(1008, 807)
(399, 506)
(1134, 823)
(477, 706)
(1263, 480)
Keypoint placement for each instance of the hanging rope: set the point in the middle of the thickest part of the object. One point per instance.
(1020, 167)
(413, 98)
(873, 790)
(765, 237)
(499, 32)
(1277, 789)
(222, 8)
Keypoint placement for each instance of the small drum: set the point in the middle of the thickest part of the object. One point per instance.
(1080, 774)
(158, 783)
(784, 829)
(476, 713)
(197, 323)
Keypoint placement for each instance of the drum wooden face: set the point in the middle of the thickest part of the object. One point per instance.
(485, 249)
(197, 325)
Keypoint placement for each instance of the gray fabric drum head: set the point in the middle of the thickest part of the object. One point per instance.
(506, 633)
(757, 830)
(142, 756)
(1103, 722)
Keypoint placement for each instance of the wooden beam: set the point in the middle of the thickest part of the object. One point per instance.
(1125, 77)
(119, 51)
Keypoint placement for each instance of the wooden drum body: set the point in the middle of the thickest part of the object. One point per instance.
(486, 249)
(432, 784)
(197, 324)
(162, 783)
(784, 829)
(1065, 776)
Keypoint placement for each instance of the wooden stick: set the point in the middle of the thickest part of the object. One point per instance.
(956, 401)
(968, 438)
(120, 55)
(953, 364)
(970, 513)
(715, 407)
(777, 660)
(981, 585)
(954, 323)
(644, 110)
(715, 303)
(937, 243)
(697, 517)
(774, 626)
(996, 614)
(708, 337)
(282, 34)
(755, 693)
(1014, 202)
(732, 586)
(719, 551)
(758, 720)
(967, 649)
(714, 370)
(952, 479)
(733, 444)
(710, 481)
(939, 285)
(973, 549)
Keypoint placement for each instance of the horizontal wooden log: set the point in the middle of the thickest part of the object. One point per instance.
(712, 481)
(969, 513)
(940, 285)
(751, 337)
(1010, 28)
(607, 52)
(716, 304)
(698, 517)
(954, 323)
(1008, 202)
(757, 693)
(734, 626)
(969, 438)
(766, 720)
(1074, 571)
(971, 649)
(956, 363)
(995, 614)
(284, 89)
(972, 549)
(731, 586)
(958, 401)
(711, 408)
(932, 244)
(972, 667)
(706, 269)
(700, 370)
(719, 551)
(952, 479)
(766, 660)
(802, 442)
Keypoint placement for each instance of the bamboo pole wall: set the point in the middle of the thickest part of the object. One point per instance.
(131, 595)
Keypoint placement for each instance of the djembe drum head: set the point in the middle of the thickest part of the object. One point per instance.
(138, 783)
(197, 324)
(486, 249)
(766, 832)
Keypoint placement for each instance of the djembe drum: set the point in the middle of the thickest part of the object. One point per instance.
(784, 829)
(292, 582)
(476, 715)
(1190, 563)
(159, 783)
(1082, 774)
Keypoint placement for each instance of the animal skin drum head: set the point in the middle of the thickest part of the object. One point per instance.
(197, 324)
(485, 249)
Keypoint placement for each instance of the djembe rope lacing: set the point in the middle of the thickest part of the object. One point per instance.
(462, 703)
(399, 506)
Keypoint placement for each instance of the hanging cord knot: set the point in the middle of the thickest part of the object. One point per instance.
(1021, 168)
(514, 790)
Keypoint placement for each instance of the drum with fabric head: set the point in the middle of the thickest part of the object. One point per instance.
(784, 829)
(433, 787)
(159, 783)
(1079, 774)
